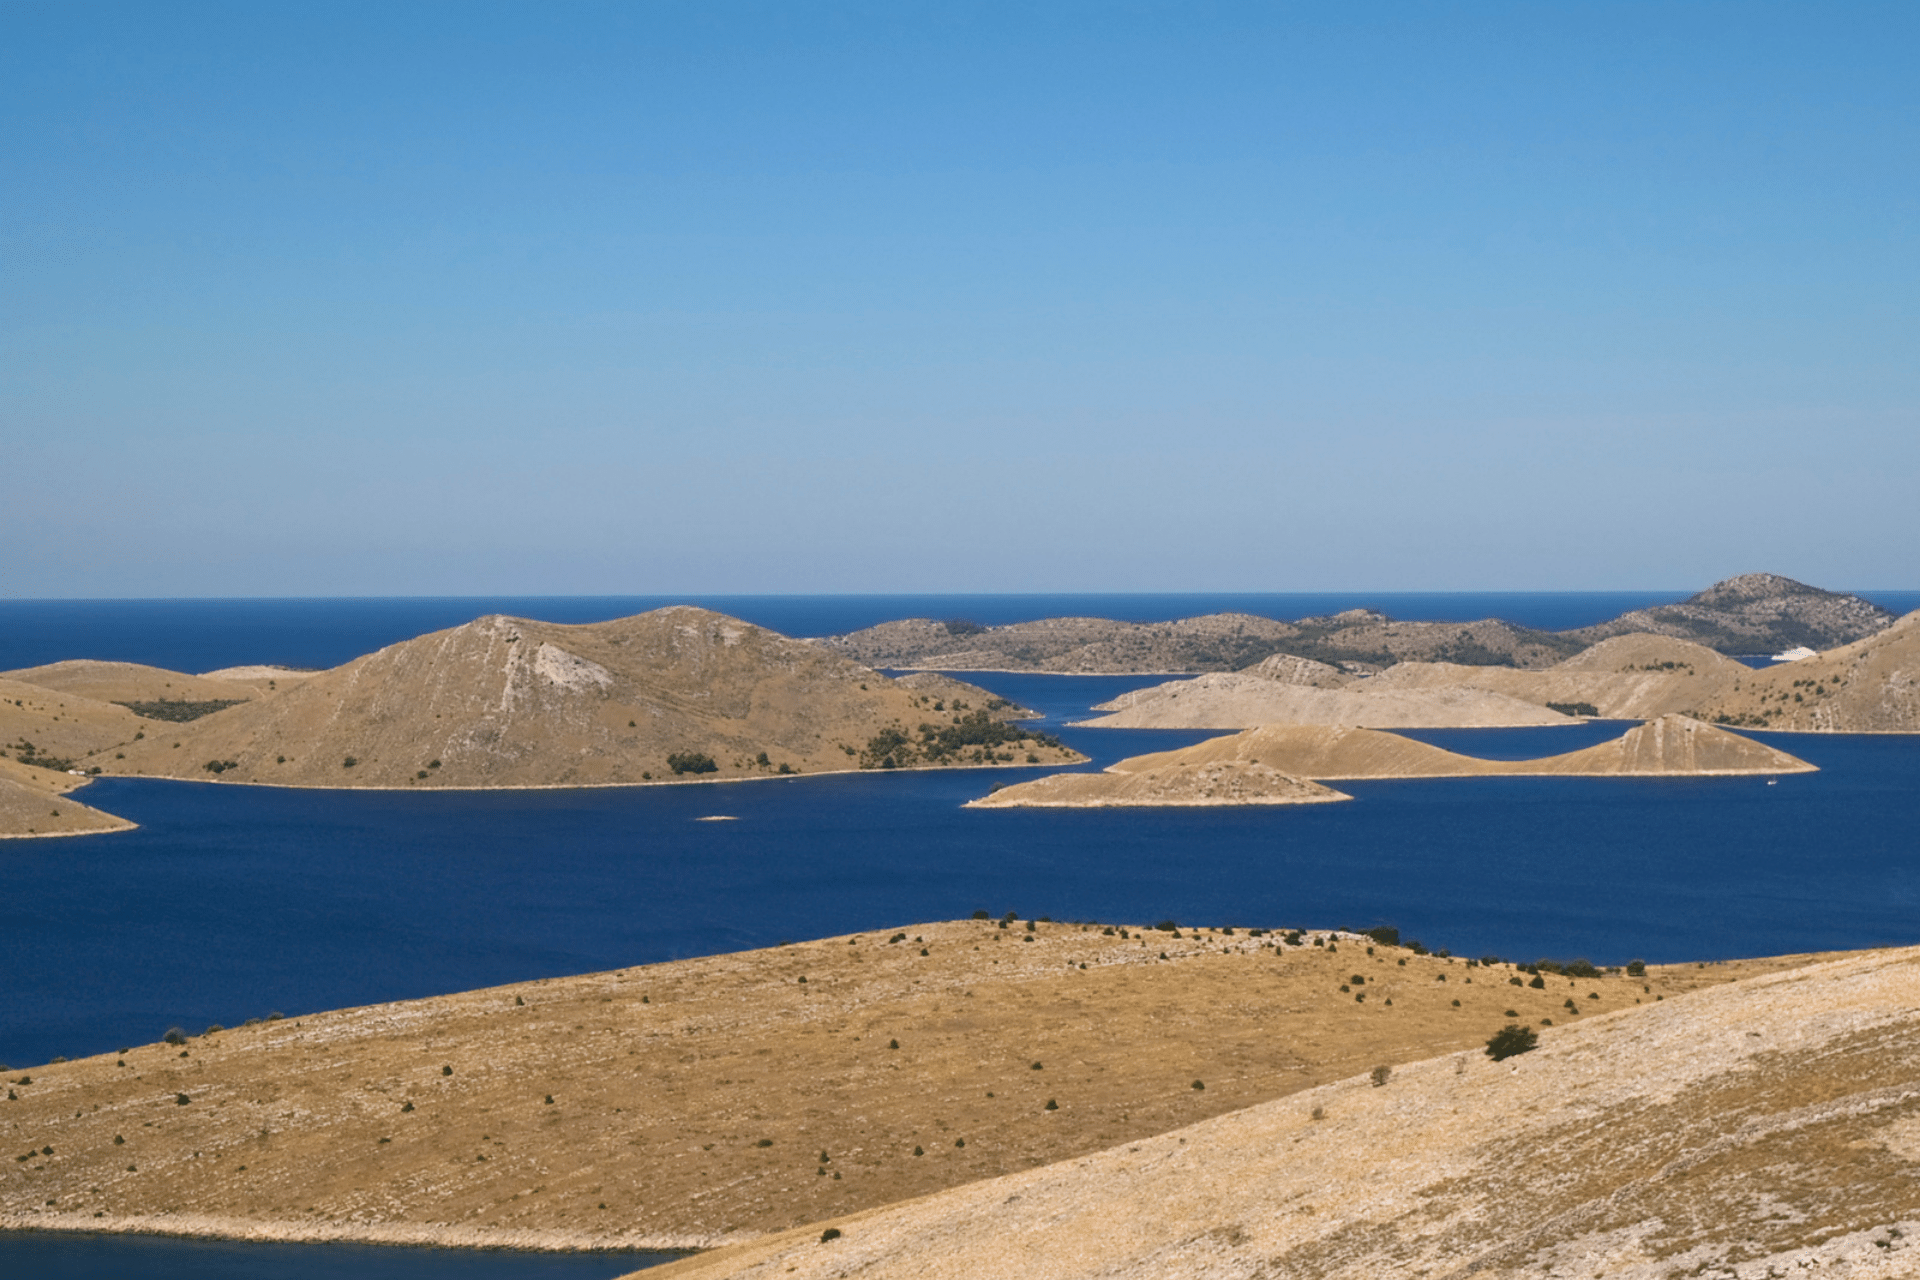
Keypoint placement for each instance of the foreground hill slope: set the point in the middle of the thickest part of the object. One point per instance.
(513, 702)
(692, 1102)
(1766, 1128)
(1870, 686)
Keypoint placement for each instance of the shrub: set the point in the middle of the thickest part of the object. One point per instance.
(1539, 983)
(831, 1233)
(349, 762)
(764, 1142)
(1199, 1084)
(1580, 969)
(1636, 968)
(1511, 1040)
(981, 914)
(1574, 708)
(1052, 1105)
(1386, 935)
(175, 1036)
(691, 762)
(181, 1099)
(1380, 1075)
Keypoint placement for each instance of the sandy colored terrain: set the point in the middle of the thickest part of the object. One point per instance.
(34, 802)
(1232, 700)
(1671, 745)
(667, 1080)
(130, 682)
(503, 702)
(1221, 782)
(1871, 686)
(1630, 677)
(1765, 1128)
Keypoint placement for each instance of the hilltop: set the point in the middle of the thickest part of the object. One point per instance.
(1279, 764)
(1753, 613)
(1765, 1128)
(700, 1101)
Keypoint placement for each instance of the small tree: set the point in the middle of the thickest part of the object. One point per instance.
(1512, 1039)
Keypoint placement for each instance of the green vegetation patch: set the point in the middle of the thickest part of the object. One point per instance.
(179, 710)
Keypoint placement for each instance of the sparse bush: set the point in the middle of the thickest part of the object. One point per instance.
(175, 1036)
(1380, 1075)
(1052, 1105)
(1386, 935)
(831, 1233)
(1581, 969)
(349, 762)
(1511, 1040)
(1636, 968)
(1199, 1084)
(691, 762)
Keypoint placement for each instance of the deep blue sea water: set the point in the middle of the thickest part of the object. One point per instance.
(230, 901)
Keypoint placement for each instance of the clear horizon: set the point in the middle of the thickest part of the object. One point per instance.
(493, 299)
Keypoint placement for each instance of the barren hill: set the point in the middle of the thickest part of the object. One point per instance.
(1238, 699)
(514, 702)
(703, 1100)
(1869, 686)
(1630, 677)
(1766, 1128)
(1754, 613)
(131, 682)
(1670, 745)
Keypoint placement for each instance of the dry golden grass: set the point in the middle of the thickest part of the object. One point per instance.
(693, 1100)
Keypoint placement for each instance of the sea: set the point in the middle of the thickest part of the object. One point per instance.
(232, 902)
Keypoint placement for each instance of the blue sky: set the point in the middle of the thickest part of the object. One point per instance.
(466, 298)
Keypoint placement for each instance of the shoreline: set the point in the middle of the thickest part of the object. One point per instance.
(193, 1226)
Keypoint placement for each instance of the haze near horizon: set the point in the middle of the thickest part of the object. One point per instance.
(475, 299)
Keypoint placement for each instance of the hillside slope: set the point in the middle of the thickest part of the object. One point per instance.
(1766, 1128)
(1870, 686)
(690, 1102)
(505, 702)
